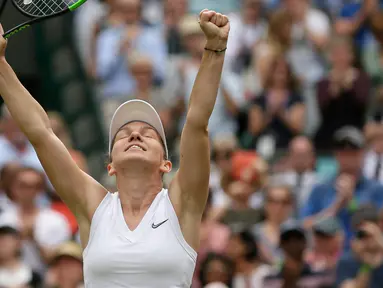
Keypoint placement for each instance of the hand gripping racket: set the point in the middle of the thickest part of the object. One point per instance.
(39, 10)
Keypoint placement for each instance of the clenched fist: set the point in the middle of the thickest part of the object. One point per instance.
(216, 28)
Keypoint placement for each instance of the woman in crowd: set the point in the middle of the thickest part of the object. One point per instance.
(217, 268)
(279, 205)
(278, 114)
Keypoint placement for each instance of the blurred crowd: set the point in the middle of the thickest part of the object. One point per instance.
(296, 191)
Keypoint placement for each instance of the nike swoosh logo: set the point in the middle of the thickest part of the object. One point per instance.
(155, 226)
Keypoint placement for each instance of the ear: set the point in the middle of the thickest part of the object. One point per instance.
(166, 166)
(111, 170)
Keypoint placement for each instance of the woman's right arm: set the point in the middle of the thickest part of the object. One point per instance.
(78, 190)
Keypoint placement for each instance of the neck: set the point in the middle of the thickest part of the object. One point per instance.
(274, 225)
(245, 267)
(27, 208)
(137, 191)
(68, 283)
(10, 264)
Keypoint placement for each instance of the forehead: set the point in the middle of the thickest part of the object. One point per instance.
(29, 176)
(136, 126)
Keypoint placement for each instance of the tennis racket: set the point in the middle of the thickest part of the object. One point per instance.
(39, 10)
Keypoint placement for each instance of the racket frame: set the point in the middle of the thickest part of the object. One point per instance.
(30, 22)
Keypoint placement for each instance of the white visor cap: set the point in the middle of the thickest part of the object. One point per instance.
(132, 111)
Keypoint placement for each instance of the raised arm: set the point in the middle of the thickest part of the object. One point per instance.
(80, 192)
(192, 179)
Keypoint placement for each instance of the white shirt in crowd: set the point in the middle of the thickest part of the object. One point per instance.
(9, 153)
(50, 230)
(302, 184)
(305, 60)
(256, 278)
(371, 167)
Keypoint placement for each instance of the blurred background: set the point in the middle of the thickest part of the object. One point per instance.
(296, 135)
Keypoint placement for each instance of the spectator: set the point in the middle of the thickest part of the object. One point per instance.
(278, 113)
(363, 266)
(276, 44)
(14, 146)
(279, 205)
(217, 268)
(13, 272)
(6, 175)
(372, 166)
(294, 271)
(174, 12)
(41, 229)
(114, 43)
(299, 171)
(310, 34)
(181, 76)
(247, 28)
(238, 212)
(327, 247)
(343, 95)
(341, 196)
(353, 21)
(214, 238)
(142, 69)
(250, 270)
(66, 268)
(223, 148)
(375, 113)
(372, 59)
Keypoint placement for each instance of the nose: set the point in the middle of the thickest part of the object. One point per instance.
(135, 136)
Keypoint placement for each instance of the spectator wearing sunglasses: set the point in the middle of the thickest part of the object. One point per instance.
(340, 197)
(363, 266)
(279, 203)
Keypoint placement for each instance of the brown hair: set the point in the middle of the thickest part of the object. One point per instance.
(292, 81)
(279, 21)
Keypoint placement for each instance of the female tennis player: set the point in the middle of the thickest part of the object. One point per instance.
(143, 235)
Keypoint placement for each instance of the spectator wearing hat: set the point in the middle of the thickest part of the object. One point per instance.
(327, 247)
(66, 268)
(13, 271)
(363, 266)
(250, 270)
(341, 196)
(293, 271)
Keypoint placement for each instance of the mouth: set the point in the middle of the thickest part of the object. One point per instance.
(135, 147)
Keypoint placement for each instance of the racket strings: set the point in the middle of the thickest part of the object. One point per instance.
(41, 8)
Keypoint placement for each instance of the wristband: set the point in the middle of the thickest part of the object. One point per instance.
(365, 268)
(216, 51)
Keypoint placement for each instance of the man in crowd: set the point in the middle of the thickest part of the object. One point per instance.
(294, 270)
(341, 196)
(363, 267)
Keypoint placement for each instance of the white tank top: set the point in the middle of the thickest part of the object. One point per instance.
(155, 254)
